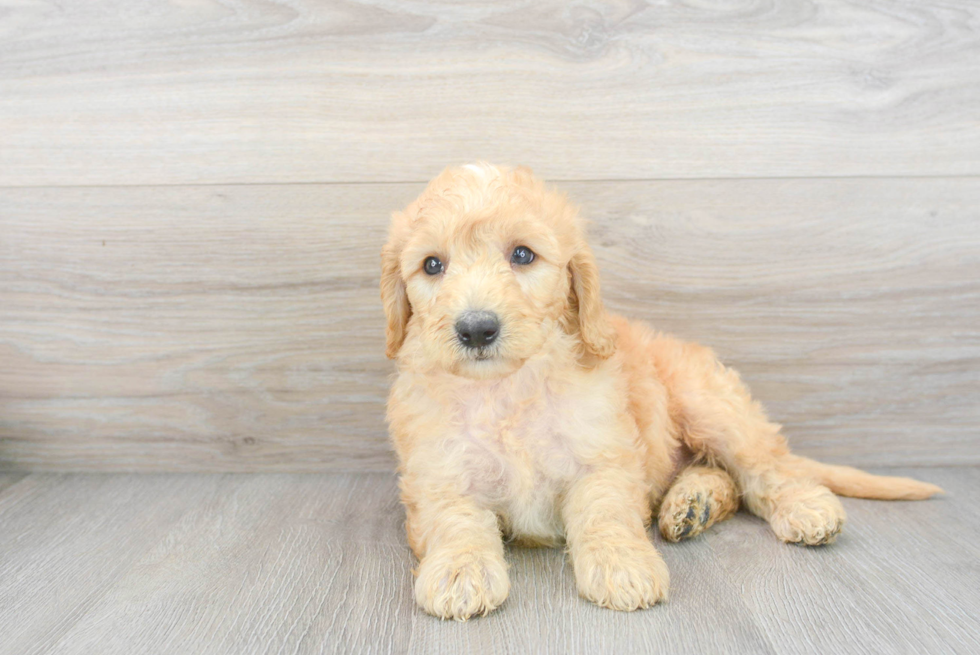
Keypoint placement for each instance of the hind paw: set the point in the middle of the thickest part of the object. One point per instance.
(810, 516)
(684, 517)
(700, 497)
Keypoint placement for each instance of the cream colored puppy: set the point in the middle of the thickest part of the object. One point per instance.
(522, 410)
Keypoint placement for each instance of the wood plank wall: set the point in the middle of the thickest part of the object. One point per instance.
(193, 196)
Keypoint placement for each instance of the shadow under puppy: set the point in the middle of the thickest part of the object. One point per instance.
(523, 410)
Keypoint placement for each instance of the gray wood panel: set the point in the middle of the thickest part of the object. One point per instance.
(891, 566)
(65, 541)
(317, 563)
(202, 92)
(285, 563)
(238, 328)
(193, 327)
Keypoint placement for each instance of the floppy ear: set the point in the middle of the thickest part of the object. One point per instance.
(394, 299)
(595, 331)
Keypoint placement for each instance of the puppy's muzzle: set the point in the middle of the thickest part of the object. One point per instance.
(477, 329)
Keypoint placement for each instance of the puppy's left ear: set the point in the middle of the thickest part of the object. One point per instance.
(394, 298)
(596, 333)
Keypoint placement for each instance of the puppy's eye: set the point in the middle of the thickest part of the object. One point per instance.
(522, 256)
(432, 266)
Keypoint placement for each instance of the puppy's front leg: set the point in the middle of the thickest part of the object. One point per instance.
(615, 563)
(461, 571)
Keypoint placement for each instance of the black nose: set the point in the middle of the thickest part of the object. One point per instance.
(477, 329)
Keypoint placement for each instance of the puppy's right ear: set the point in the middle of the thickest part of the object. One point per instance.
(394, 298)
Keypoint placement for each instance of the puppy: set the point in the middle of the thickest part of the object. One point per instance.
(523, 411)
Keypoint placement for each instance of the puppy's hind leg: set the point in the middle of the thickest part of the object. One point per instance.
(699, 497)
(721, 423)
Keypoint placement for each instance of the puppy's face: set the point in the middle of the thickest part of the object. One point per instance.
(485, 284)
(482, 268)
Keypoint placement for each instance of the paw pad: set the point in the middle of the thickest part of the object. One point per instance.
(689, 519)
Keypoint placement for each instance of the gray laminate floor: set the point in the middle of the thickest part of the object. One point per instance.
(305, 563)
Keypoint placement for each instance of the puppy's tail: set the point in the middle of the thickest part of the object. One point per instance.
(847, 481)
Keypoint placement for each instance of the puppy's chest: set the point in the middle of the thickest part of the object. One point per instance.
(517, 455)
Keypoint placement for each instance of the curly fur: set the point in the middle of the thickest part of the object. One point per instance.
(573, 425)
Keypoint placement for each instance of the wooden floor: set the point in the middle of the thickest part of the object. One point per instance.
(313, 563)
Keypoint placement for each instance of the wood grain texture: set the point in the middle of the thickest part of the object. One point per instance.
(65, 540)
(204, 328)
(293, 563)
(9, 479)
(239, 328)
(264, 564)
(888, 585)
(247, 91)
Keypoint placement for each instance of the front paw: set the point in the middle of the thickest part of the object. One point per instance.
(622, 576)
(458, 584)
(809, 516)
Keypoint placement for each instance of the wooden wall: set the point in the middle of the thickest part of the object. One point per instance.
(193, 197)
